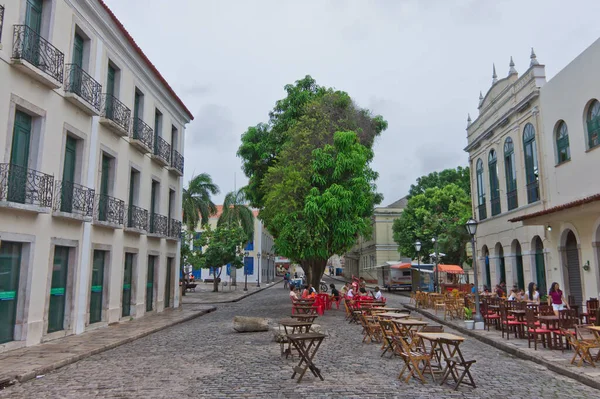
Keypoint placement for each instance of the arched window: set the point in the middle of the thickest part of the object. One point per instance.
(511, 174)
(480, 191)
(593, 124)
(494, 186)
(563, 151)
(531, 164)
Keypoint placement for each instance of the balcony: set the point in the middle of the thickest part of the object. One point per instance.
(36, 57)
(512, 198)
(137, 219)
(142, 136)
(174, 230)
(176, 163)
(115, 115)
(482, 211)
(158, 226)
(82, 90)
(162, 151)
(533, 191)
(109, 211)
(73, 201)
(495, 203)
(25, 189)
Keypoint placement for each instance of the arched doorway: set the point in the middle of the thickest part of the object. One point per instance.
(486, 259)
(539, 274)
(573, 268)
(501, 264)
(516, 248)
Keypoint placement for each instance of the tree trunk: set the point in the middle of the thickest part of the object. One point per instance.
(314, 270)
(216, 281)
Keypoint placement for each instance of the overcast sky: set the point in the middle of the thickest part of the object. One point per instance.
(419, 63)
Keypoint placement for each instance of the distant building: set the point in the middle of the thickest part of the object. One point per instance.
(258, 261)
(369, 253)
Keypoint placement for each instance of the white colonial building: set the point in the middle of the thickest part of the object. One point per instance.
(532, 151)
(91, 137)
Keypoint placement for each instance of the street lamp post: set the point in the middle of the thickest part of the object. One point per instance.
(245, 272)
(418, 249)
(472, 229)
(437, 262)
(259, 271)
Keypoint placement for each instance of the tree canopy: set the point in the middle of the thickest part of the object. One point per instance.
(237, 213)
(437, 212)
(314, 185)
(196, 201)
(459, 176)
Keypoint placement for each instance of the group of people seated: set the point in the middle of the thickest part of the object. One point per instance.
(348, 291)
(530, 295)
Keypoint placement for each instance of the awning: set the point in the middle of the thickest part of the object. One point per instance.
(400, 266)
(559, 208)
(452, 269)
(421, 270)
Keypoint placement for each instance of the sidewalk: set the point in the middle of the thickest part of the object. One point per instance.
(554, 360)
(27, 363)
(203, 294)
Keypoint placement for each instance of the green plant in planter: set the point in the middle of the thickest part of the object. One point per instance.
(468, 314)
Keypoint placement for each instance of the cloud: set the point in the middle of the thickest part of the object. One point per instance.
(213, 128)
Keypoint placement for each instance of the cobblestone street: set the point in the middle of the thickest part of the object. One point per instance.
(206, 358)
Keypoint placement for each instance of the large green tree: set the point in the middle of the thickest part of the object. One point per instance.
(237, 213)
(221, 246)
(459, 176)
(196, 201)
(438, 212)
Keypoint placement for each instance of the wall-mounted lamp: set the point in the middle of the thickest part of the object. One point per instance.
(549, 228)
(586, 266)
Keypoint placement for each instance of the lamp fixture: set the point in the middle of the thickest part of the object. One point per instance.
(418, 246)
(549, 228)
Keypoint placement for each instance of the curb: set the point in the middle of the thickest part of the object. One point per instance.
(233, 300)
(513, 351)
(46, 369)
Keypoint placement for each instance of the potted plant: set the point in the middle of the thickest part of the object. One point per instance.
(469, 322)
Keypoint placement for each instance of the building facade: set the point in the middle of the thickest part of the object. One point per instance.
(505, 169)
(570, 152)
(367, 254)
(259, 257)
(91, 137)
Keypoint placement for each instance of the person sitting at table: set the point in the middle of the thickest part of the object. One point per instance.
(345, 289)
(293, 293)
(335, 294)
(305, 292)
(556, 297)
(350, 293)
(514, 295)
(377, 294)
(362, 295)
(532, 295)
(499, 291)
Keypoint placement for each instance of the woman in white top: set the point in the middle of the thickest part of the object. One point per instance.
(350, 293)
(532, 294)
(293, 294)
(377, 294)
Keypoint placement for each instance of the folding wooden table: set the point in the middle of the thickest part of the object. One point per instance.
(307, 346)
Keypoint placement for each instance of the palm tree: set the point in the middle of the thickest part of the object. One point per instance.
(197, 203)
(235, 211)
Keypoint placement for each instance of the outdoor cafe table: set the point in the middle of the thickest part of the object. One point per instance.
(304, 309)
(551, 321)
(596, 331)
(405, 325)
(393, 309)
(446, 351)
(291, 326)
(307, 318)
(391, 315)
(307, 346)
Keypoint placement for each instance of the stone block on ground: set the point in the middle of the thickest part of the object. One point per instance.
(250, 324)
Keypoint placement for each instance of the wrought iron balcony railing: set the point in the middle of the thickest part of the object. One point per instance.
(31, 47)
(25, 186)
(512, 199)
(175, 229)
(162, 149)
(74, 198)
(533, 191)
(143, 132)
(81, 83)
(109, 209)
(482, 211)
(495, 203)
(116, 111)
(1, 21)
(177, 161)
(159, 224)
(137, 218)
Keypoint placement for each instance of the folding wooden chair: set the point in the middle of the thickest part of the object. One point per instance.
(388, 331)
(412, 359)
(457, 366)
(582, 350)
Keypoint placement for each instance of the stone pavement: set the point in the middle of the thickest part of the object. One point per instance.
(27, 363)
(205, 358)
(203, 294)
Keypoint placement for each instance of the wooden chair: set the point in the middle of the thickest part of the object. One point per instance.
(412, 359)
(567, 320)
(388, 331)
(533, 331)
(489, 318)
(589, 316)
(582, 344)
(507, 325)
(457, 366)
